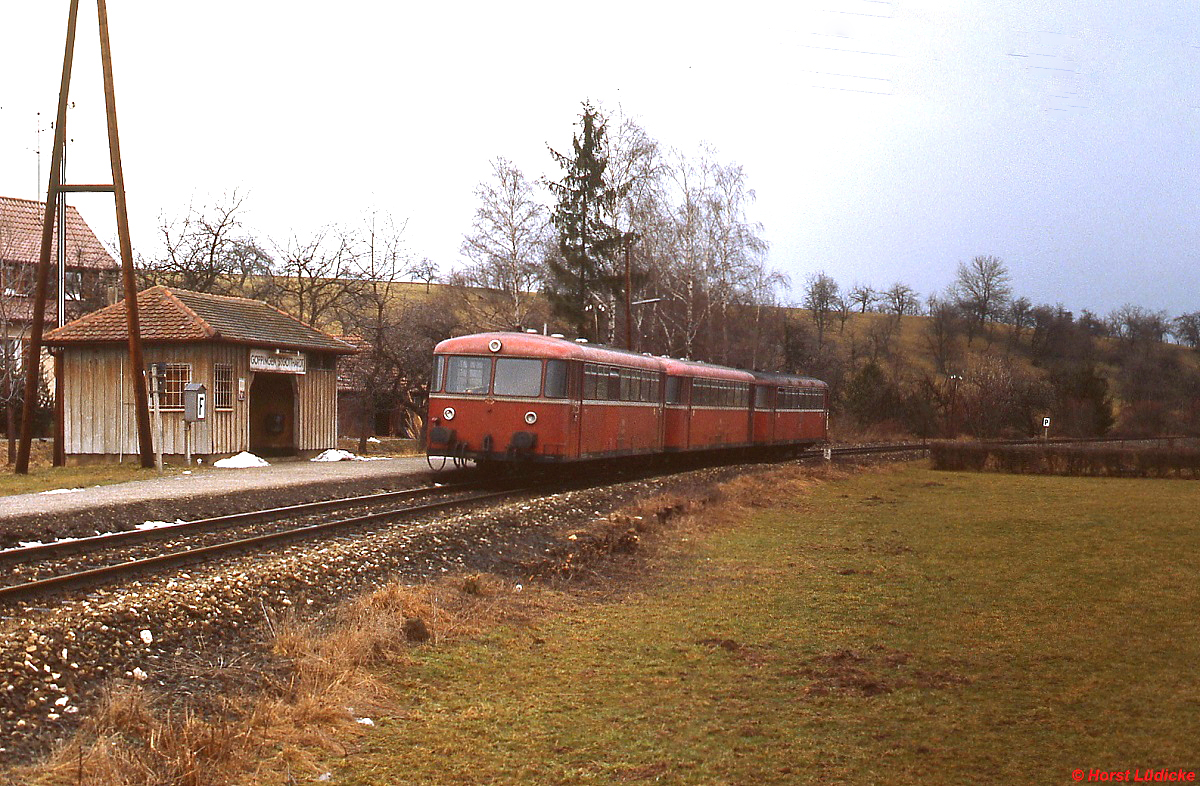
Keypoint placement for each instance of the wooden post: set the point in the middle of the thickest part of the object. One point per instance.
(33, 364)
(137, 368)
(60, 435)
(156, 383)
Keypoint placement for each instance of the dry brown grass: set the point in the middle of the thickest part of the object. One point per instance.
(276, 736)
(337, 668)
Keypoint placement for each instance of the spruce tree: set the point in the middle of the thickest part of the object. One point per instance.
(583, 273)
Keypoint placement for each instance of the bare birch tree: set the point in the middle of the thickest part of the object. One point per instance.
(506, 244)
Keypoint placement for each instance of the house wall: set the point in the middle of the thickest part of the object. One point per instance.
(99, 405)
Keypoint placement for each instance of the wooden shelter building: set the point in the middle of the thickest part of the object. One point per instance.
(271, 379)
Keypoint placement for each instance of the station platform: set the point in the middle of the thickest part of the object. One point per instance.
(207, 492)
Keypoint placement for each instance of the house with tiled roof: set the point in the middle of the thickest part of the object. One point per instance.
(270, 380)
(90, 268)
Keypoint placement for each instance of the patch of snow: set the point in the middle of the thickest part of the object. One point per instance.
(373, 439)
(62, 491)
(147, 637)
(158, 524)
(365, 721)
(335, 454)
(241, 461)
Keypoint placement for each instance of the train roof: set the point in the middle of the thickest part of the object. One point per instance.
(543, 346)
(524, 344)
(788, 380)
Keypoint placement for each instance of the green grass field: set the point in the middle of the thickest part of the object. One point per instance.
(897, 627)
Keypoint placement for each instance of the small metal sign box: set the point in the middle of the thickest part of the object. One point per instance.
(195, 402)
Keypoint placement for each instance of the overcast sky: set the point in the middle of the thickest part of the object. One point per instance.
(886, 141)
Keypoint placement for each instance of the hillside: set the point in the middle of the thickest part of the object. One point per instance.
(935, 376)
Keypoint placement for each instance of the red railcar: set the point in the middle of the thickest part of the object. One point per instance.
(526, 398)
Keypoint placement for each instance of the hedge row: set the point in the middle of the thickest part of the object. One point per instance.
(1086, 460)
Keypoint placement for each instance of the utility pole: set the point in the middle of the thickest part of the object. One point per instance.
(630, 239)
(56, 187)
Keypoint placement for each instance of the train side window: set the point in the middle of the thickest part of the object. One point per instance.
(628, 383)
(595, 381)
(469, 375)
(762, 399)
(518, 377)
(556, 379)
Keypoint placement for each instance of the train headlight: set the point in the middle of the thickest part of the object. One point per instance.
(495, 345)
(531, 418)
(448, 413)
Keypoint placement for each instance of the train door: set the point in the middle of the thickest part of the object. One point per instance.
(676, 423)
(762, 417)
(575, 424)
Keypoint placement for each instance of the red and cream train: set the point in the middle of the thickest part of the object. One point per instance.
(524, 397)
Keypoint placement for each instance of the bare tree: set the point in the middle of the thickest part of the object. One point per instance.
(424, 270)
(941, 332)
(710, 258)
(981, 289)
(210, 250)
(317, 275)
(901, 299)
(863, 296)
(844, 308)
(507, 243)
(821, 299)
(1137, 325)
(1186, 329)
(368, 316)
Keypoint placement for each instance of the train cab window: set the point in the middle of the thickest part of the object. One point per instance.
(518, 377)
(468, 375)
(556, 379)
(435, 385)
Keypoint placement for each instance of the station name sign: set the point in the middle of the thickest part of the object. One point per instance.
(280, 361)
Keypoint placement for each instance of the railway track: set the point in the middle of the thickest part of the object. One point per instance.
(84, 562)
(73, 564)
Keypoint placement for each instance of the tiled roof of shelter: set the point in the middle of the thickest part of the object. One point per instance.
(177, 315)
(21, 237)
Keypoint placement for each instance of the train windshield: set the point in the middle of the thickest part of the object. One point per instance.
(556, 379)
(468, 375)
(518, 377)
(435, 385)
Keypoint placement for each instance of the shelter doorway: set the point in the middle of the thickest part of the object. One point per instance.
(273, 414)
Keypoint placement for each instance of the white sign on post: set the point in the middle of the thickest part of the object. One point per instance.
(1045, 422)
